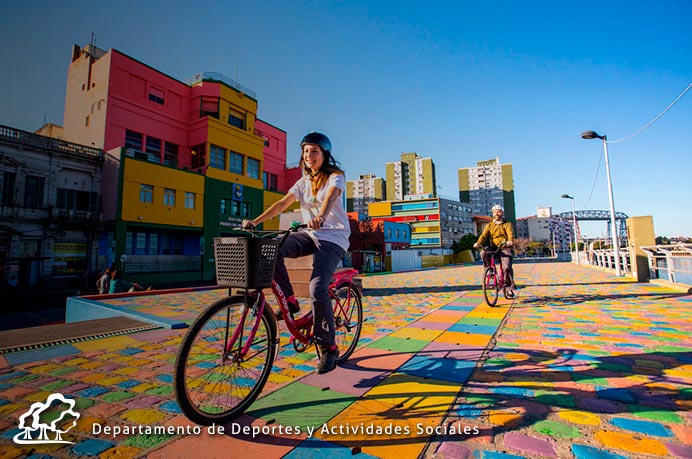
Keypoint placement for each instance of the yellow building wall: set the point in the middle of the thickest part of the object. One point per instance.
(507, 177)
(270, 198)
(161, 177)
(230, 138)
(380, 209)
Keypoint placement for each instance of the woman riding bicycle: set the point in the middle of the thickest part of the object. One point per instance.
(319, 193)
(495, 234)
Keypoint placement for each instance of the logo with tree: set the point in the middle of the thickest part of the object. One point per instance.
(46, 422)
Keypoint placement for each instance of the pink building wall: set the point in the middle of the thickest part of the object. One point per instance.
(130, 108)
(274, 153)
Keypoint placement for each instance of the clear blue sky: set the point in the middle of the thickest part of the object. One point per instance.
(456, 81)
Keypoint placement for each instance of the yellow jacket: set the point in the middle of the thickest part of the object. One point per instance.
(496, 233)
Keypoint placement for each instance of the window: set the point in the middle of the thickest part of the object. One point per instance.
(146, 193)
(270, 181)
(33, 192)
(156, 95)
(141, 243)
(197, 154)
(169, 197)
(153, 244)
(133, 140)
(76, 200)
(236, 118)
(154, 148)
(245, 207)
(209, 107)
(235, 163)
(253, 168)
(170, 154)
(217, 157)
(8, 181)
(189, 200)
(223, 206)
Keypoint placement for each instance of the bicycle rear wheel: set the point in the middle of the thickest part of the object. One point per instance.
(490, 287)
(348, 319)
(214, 384)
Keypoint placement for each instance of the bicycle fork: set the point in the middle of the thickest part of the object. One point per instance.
(231, 354)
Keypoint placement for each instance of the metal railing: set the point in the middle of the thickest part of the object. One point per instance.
(672, 262)
(605, 258)
(220, 77)
(48, 143)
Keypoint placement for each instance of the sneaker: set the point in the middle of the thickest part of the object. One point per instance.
(293, 307)
(327, 358)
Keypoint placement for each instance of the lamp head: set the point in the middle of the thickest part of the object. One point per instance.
(566, 196)
(591, 135)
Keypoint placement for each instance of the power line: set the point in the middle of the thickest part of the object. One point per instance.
(655, 119)
(593, 187)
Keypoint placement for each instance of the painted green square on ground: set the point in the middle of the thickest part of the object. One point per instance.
(301, 405)
(82, 404)
(652, 413)
(480, 321)
(56, 385)
(146, 441)
(554, 399)
(117, 396)
(63, 371)
(25, 378)
(398, 344)
(671, 349)
(557, 429)
(160, 390)
(593, 380)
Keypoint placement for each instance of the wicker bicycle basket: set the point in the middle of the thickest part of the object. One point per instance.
(243, 262)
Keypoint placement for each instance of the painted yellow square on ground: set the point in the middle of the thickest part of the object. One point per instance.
(378, 428)
(421, 397)
(41, 369)
(580, 417)
(105, 343)
(487, 313)
(468, 339)
(416, 333)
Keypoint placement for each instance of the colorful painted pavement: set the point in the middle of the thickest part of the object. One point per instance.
(581, 365)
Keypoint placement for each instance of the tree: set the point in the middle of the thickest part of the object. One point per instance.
(465, 243)
(521, 245)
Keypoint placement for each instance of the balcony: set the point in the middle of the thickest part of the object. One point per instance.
(75, 216)
(48, 143)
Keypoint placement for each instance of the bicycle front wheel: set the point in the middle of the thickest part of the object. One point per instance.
(490, 287)
(348, 319)
(213, 382)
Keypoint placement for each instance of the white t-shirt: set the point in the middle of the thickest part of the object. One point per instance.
(336, 228)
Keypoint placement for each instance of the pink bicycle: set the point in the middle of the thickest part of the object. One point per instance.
(494, 278)
(227, 354)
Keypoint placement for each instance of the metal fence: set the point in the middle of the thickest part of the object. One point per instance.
(605, 258)
(671, 262)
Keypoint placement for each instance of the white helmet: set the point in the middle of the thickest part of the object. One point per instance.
(498, 207)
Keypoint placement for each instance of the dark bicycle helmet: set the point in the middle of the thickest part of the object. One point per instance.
(321, 140)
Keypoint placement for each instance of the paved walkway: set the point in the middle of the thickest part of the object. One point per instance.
(580, 365)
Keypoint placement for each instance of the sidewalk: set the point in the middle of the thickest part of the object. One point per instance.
(582, 364)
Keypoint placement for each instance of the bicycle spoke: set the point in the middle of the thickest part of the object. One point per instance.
(215, 383)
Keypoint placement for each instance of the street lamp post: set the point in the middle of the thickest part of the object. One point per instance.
(616, 240)
(574, 225)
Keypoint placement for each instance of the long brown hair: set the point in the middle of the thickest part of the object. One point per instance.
(329, 167)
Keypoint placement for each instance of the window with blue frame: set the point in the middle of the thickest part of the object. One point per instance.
(217, 157)
(253, 168)
(235, 162)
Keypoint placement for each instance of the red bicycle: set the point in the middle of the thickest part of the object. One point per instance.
(227, 354)
(493, 281)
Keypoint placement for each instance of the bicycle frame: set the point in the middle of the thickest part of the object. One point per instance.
(295, 326)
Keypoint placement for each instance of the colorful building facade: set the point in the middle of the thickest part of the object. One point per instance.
(185, 162)
(435, 222)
